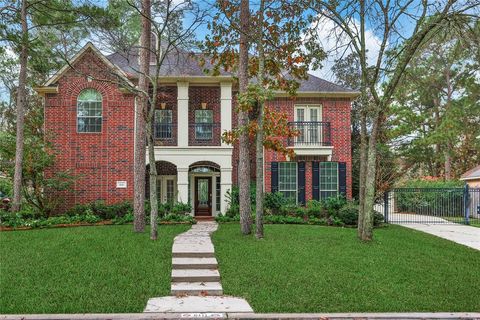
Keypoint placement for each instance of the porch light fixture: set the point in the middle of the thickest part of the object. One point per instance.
(163, 105)
(204, 105)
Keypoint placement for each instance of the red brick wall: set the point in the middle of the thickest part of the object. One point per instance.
(97, 160)
(337, 112)
(211, 96)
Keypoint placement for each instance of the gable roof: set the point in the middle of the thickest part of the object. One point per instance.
(67, 66)
(471, 174)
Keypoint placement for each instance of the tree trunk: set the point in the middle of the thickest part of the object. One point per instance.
(260, 134)
(446, 152)
(244, 157)
(370, 174)
(140, 123)
(363, 161)
(363, 124)
(153, 184)
(21, 100)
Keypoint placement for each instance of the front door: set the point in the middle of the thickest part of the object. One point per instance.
(203, 196)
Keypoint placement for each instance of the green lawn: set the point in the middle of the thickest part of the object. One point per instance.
(83, 269)
(474, 222)
(324, 269)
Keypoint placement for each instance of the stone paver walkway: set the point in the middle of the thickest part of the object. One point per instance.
(196, 283)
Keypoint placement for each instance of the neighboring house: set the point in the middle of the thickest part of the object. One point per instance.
(472, 177)
(89, 118)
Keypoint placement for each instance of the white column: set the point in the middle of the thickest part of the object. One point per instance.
(225, 185)
(226, 107)
(182, 113)
(182, 185)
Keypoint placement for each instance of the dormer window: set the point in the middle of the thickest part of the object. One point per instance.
(89, 111)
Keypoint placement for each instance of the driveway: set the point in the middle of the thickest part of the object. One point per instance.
(459, 233)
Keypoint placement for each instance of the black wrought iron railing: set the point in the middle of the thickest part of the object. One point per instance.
(311, 133)
(205, 131)
(163, 131)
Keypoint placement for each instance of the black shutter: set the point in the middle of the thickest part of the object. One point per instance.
(274, 177)
(301, 182)
(342, 178)
(316, 180)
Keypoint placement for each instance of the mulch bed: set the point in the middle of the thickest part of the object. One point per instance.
(78, 224)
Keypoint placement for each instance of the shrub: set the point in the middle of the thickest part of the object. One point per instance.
(181, 208)
(182, 218)
(102, 210)
(284, 220)
(349, 214)
(5, 188)
(333, 204)
(315, 209)
(274, 201)
(378, 219)
(288, 209)
(225, 218)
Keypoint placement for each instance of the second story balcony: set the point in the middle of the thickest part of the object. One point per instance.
(311, 134)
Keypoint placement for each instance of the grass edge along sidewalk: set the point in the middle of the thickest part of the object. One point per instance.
(269, 316)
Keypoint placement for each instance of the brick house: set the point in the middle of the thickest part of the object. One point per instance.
(89, 119)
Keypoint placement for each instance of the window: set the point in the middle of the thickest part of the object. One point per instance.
(217, 195)
(287, 180)
(166, 189)
(328, 179)
(203, 124)
(307, 118)
(163, 124)
(170, 191)
(89, 111)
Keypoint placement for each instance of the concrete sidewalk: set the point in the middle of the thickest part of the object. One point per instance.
(269, 316)
(461, 234)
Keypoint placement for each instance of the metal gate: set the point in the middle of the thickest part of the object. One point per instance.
(431, 205)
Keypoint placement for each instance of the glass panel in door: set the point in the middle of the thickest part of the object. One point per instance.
(300, 118)
(170, 190)
(314, 125)
(202, 190)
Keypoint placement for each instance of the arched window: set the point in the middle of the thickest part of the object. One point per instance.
(89, 111)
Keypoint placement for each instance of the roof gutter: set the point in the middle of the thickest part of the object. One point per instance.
(319, 94)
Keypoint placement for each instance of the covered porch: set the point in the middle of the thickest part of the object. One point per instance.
(183, 177)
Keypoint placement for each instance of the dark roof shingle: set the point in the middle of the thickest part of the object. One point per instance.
(184, 64)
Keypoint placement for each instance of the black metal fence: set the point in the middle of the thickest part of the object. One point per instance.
(431, 205)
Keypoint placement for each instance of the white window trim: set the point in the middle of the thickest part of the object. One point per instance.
(307, 107)
(296, 179)
(95, 117)
(320, 180)
(162, 181)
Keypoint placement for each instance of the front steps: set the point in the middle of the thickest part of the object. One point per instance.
(195, 285)
(194, 263)
(194, 266)
(195, 275)
(197, 288)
